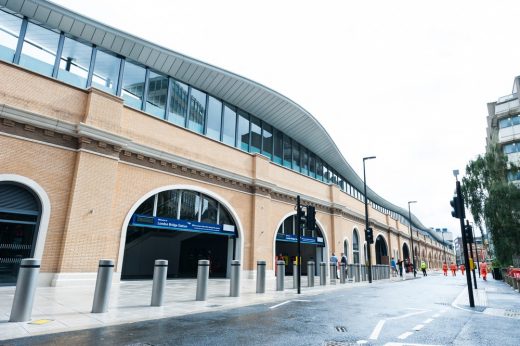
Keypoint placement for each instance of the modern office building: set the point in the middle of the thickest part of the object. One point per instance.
(478, 249)
(504, 127)
(114, 147)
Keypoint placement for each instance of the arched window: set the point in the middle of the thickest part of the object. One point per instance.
(345, 249)
(355, 246)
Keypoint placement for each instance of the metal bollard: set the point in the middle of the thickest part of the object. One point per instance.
(358, 273)
(333, 273)
(103, 284)
(280, 275)
(260, 276)
(234, 287)
(323, 274)
(159, 282)
(295, 274)
(342, 273)
(310, 274)
(202, 280)
(25, 290)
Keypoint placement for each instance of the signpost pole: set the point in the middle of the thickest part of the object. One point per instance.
(299, 225)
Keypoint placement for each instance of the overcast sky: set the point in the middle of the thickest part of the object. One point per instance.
(407, 81)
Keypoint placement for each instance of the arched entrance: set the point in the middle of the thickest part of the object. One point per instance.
(406, 253)
(181, 226)
(312, 245)
(20, 212)
(381, 251)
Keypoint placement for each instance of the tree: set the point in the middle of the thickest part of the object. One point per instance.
(494, 201)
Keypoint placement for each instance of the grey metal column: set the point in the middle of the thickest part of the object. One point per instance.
(358, 273)
(323, 274)
(103, 284)
(280, 275)
(260, 276)
(310, 274)
(295, 275)
(202, 280)
(159, 281)
(234, 289)
(25, 288)
(342, 273)
(333, 269)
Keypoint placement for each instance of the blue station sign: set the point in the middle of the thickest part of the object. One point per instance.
(181, 225)
(291, 238)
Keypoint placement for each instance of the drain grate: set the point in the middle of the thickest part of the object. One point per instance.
(140, 344)
(341, 329)
(442, 303)
(512, 313)
(339, 343)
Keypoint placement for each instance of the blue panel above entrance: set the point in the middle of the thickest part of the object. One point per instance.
(290, 238)
(181, 225)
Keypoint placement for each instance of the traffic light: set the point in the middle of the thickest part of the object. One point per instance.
(311, 218)
(369, 235)
(468, 232)
(300, 217)
(456, 213)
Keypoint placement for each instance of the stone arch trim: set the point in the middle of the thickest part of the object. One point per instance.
(220, 199)
(43, 226)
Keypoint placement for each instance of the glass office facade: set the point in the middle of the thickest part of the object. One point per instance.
(82, 65)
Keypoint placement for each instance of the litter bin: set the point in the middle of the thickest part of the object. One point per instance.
(497, 274)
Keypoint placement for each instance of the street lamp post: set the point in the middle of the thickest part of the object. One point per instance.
(366, 218)
(411, 236)
(443, 246)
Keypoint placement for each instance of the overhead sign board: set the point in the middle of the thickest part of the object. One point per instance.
(181, 225)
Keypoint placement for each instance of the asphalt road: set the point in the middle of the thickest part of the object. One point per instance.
(394, 313)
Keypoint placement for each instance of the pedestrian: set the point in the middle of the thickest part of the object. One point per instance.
(394, 268)
(344, 261)
(400, 265)
(423, 268)
(445, 269)
(483, 270)
(334, 260)
(453, 269)
(462, 268)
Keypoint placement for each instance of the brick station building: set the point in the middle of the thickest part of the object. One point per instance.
(114, 147)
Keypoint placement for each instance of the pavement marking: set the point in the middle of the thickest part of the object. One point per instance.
(408, 315)
(377, 330)
(294, 300)
(456, 306)
(406, 344)
(428, 320)
(436, 315)
(404, 335)
(418, 327)
(362, 342)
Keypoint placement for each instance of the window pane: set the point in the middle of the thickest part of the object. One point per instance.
(9, 32)
(39, 49)
(305, 161)
(287, 158)
(267, 138)
(504, 123)
(106, 72)
(209, 210)
(168, 204)
(157, 90)
(147, 207)
(214, 118)
(230, 123)
(74, 63)
(288, 225)
(326, 177)
(133, 85)
(224, 218)
(197, 110)
(515, 120)
(319, 169)
(256, 135)
(278, 146)
(296, 156)
(178, 103)
(190, 206)
(243, 131)
(312, 165)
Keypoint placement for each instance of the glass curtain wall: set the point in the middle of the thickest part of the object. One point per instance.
(133, 85)
(157, 94)
(75, 63)
(214, 123)
(178, 103)
(10, 27)
(106, 72)
(229, 127)
(39, 49)
(197, 110)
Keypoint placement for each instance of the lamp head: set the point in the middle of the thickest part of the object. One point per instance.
(369, 158)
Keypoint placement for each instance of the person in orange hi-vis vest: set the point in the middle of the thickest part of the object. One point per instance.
(462, 268)
(445, 269)
(453, 269)
(483, 270)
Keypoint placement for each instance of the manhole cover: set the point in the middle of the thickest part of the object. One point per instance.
(341, 329)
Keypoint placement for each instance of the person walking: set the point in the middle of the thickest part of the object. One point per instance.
(453, 269)
(423, 268)
(462, 268)
(344, 261)
(445, 268)
(334, 259)
(483, 270)
(394, 268)
(400, 265)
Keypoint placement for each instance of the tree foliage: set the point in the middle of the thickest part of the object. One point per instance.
(494, 202)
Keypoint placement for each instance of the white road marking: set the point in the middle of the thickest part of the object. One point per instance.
(405, 344)
(362, 342)
(436, 315)
(300, 300)
(418, 327)
(277, 305)
(404, 335)
(407, 315)
(377, 330)
(428, 320)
